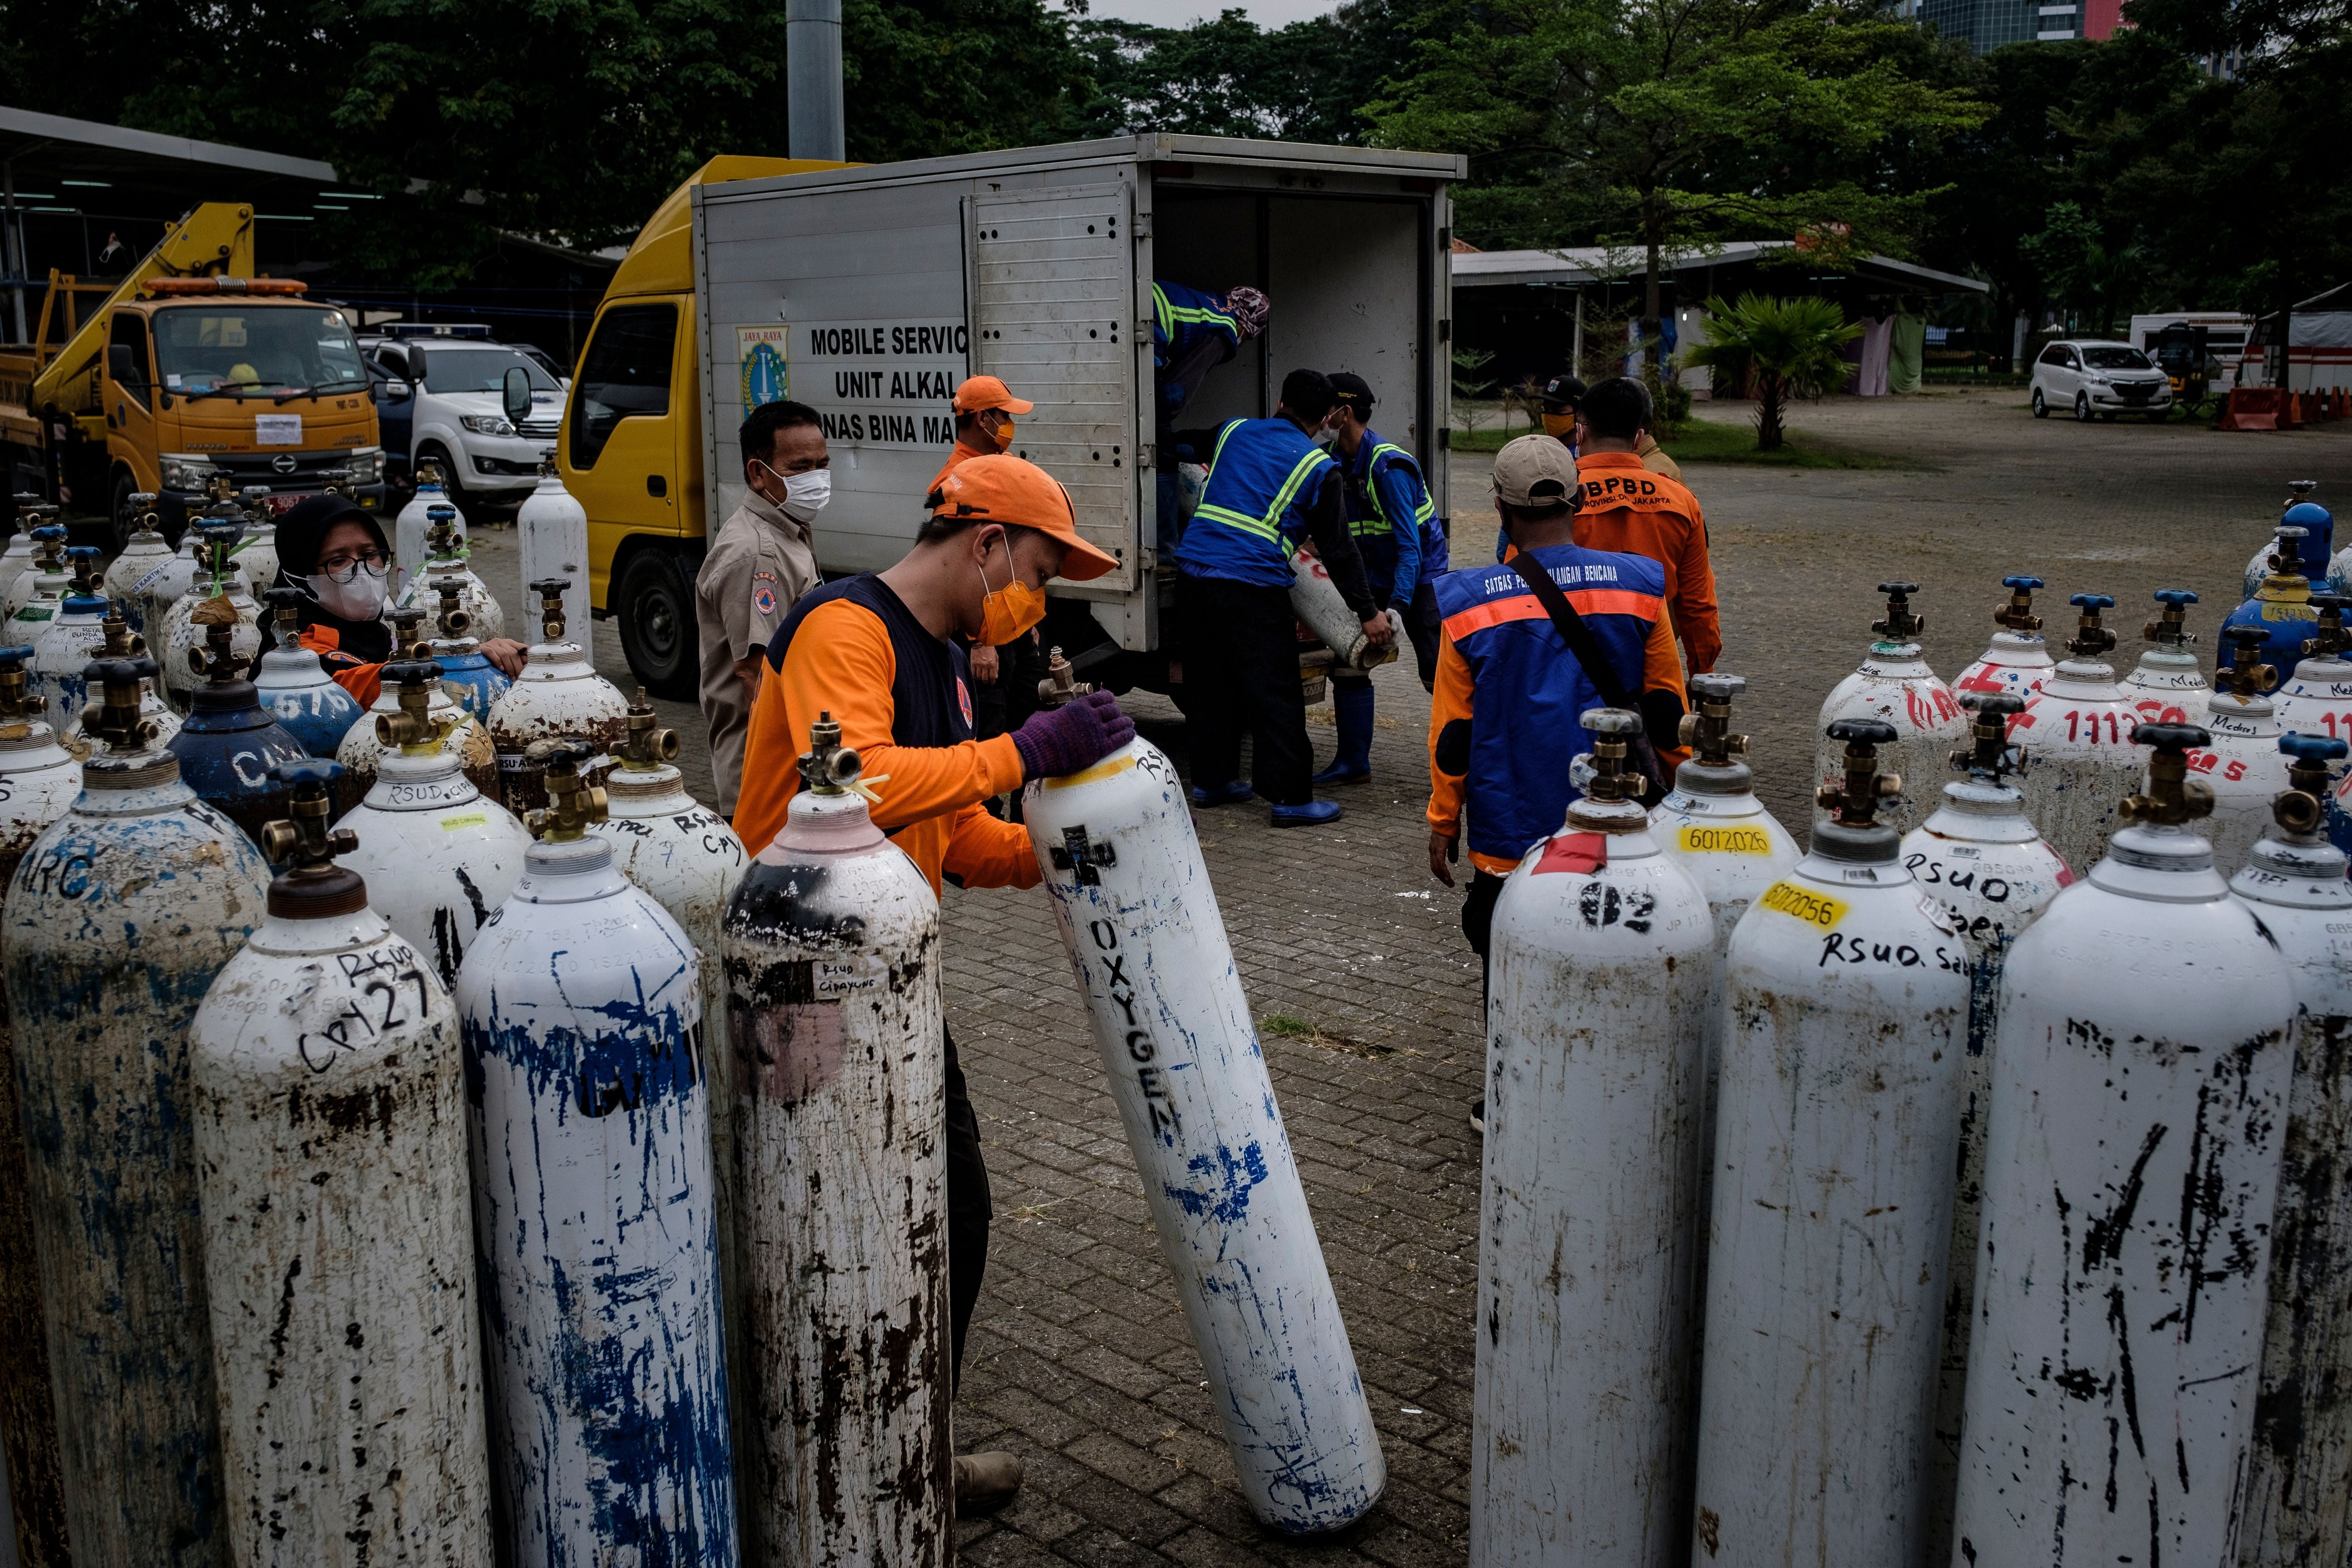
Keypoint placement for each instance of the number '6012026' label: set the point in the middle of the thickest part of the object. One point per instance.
(1802, 903)
(1697, 840)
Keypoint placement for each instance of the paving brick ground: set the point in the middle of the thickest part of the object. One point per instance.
(1079, 1359)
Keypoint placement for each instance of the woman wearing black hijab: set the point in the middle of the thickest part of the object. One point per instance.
(333, 550)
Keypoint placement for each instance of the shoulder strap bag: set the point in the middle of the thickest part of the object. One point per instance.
(1639, 752)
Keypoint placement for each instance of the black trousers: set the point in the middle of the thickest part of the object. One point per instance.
(970, 1210)
(1240, 645)
(1478, 921)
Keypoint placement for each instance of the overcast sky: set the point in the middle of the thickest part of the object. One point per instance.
(1178, 13)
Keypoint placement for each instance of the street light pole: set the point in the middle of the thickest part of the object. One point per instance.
(813, 113)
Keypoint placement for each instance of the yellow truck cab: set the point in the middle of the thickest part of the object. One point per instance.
(194, 370)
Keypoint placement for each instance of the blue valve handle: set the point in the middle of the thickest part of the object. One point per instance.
(2293, 743)
(2021, 582)
(2175, 596)
(2094, 601)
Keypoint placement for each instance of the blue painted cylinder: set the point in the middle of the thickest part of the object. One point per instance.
(581, 1013)
(468, 677)
(295, 691)
(2282, 607)
(117, 921)
(229, 751)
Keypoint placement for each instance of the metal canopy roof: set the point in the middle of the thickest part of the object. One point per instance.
(64, 167)
(1575, 265)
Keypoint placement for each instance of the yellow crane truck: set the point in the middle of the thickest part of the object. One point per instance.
(192, 369)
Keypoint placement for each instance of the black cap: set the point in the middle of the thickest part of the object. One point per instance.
(1562, 392)
(1353, 390)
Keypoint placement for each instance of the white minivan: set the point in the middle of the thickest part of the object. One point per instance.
(2100, 378)
(440, 399)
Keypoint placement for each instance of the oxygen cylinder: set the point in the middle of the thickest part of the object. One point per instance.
(833, 974)
(1894, 686)
(1712, 824)
(2302, 1458)
(64, 649)
(16, 558)
(409, 549)
(1147, 946)
(2131, 1169)
(219, 592)
(688, 859)
(472, 681)
(45, 543)
(553, 530)
(558, 697)
(439, 859)
(39, 780)
(294, 688)
(228, 748)
(2077, 732)
(2168, 684)
(1846, 996)
(2018, 659)
(2242, 766)
(2319, 526)
(582, 1025)
(117, 921)
(161, 586)
(1595, 1028)
(2282, 607)
(32, 603)
(256, 552)
(343, 1327)
(1980, 859)
(145, 555)
(1315, 600)
(119, 642)
(2316, 699)
(467, 739)
(446, 558)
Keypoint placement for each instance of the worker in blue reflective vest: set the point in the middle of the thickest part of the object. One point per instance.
(1193, 332)
(1394, 524)
(1269, 486)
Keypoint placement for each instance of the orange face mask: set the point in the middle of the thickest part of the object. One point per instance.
(1562, 425)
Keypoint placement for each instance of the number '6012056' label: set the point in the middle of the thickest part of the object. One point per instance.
(1802, 903)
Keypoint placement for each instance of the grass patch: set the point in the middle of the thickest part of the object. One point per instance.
(1282, 1025)
(1718, 441)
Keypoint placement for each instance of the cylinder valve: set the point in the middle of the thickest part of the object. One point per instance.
(2018, 614)
(121, 642)
(49, 539)
(406, 625)
(453, 621)
(574, 805)
(2091, 637)
(2286, 553)
(829, 766)
(1058, 687)
(647, 745)
(219, 660)
(1900, 624)
(117, 720)
(2172, 797)
(1855, 804)
(15, 703)
(2242, 678)
(2170, 627)
(441, 532)
(413, 729)
(307, 844)
(1606, 777)
(2331, 638)
(2302, 807)
(1705, 731)
(550, 592)
(1988, 754)
(81, 565)
(285, 614)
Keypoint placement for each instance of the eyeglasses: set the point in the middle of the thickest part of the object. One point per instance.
(340, 568)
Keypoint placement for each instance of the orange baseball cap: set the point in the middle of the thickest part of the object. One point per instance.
(1000, 489)
(980, 391)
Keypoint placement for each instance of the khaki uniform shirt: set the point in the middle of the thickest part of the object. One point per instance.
(1653, 457)
(759, 565)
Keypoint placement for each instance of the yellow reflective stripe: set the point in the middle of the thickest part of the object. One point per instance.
(1219, 449)
(1290, 490)
(1165, 310)
(1421, 513)
(1168, 314)
(1232, 519)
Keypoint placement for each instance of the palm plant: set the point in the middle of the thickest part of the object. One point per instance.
(1788, 348)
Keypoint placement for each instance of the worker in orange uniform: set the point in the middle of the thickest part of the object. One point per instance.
(1505, 720)
(334, 550)
(875, 650)
(1629, 507)
(984, 407)
(1004, 678)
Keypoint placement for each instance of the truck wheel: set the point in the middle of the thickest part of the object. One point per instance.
(655, 603)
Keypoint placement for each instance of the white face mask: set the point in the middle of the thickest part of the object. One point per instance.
(805, 493)
(360, 599)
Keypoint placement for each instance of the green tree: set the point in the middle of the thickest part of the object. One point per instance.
(2084, 270)
(1788, 348)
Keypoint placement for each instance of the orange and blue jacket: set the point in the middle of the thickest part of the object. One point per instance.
(1628, 507)
(903, 698)
(1504, 723)
(365, 682)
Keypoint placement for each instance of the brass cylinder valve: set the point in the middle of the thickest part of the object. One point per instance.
(574, 805)
(2091, 637)
(15, 702)
(81, 565)
(1855, 804)
(219, 660)
(49, 540)
(2302, 807)
(413, 730)
(828, 767)
(406, 625)
(2287, 553)
(2330, 637)
(220, 538)
(1900, 624)
(1058, 687)
(428, 473)
(2242, 678)
(256, 500)
(551, 606)
(2018, 614)
(1613, 730)
(2170, 629)
(646, 746)
(307, 842)
(285, 614)
(1705, 730)
(335, 481)
(2172, 797)
(1988, 755)
(144, 503)
(441, 535)
(117, 720)
(547, 462)
(121, 642)
(221, 488)
(454, 622)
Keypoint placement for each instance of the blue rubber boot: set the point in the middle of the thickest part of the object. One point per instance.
(1352, 705)
(1314, 813)
(1232, 793)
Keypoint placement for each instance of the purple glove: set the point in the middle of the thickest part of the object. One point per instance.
(1057, 742)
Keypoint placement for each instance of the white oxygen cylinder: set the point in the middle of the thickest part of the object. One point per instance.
(1980, 859)
(156, 590)
(1315, 600)
(2017, 661)
(1600, 975)
(2131, 1169)
(179, 635)
(833, 965)
(118, 920)
(440, 858)
(2242, 766)
(256, 552)
(46, 569)
(466, 738)
(2078, 730)
(64, 650)
(74, 731)
(339, 1236)
(129, 576)
(2168, 684)
(39, 780)
(1894, 686)
(409, 529)
(2316, 699)
(16, 558)
(445, 555)
(1846, 994)
(558, 697)
(1149, 950)
(581, 1013)
(2300, 1473)
(553, 530)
